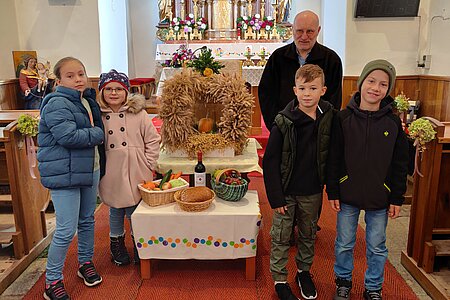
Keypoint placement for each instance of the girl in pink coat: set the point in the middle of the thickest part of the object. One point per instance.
(132, 149)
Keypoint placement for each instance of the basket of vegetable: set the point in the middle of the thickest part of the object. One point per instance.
(229, 185)
(159, 192)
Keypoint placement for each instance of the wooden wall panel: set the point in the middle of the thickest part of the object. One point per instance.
(10, 98)
(9, 95)
(435, 97)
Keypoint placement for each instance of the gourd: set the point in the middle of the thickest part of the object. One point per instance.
(205, 125)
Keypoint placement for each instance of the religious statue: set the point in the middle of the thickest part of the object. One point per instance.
(165, 6)
(284, 8)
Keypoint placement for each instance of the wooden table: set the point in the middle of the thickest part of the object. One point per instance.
(226, 230)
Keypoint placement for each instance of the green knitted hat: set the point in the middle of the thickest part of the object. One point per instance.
(378, 64)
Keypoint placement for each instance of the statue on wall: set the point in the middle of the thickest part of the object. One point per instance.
(284, 9)
(165, 6)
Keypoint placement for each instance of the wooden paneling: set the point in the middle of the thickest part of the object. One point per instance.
(433, 92)
(9, 95)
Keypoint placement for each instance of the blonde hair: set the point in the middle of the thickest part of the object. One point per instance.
(62, 61)
(101, 98)
(309, 72)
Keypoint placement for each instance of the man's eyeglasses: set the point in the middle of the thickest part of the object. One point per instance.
(110, 90)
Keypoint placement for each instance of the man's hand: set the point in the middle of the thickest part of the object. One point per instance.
(282, 210)
(335, 205)
(394, 211)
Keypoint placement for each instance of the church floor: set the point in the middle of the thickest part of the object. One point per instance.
(397, 239)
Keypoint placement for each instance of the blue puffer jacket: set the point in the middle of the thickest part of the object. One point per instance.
(67, 139)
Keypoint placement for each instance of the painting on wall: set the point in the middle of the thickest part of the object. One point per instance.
(19, 57)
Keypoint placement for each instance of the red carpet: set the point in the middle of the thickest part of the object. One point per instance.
(218, 279)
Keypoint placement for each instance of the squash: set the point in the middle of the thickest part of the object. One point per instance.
(205, 125)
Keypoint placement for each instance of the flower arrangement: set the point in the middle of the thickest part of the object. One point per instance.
(267, 23)
(189, 24)
(401, 102)
(205, 63)
(179, 57)
(422, 132)
(28, 125)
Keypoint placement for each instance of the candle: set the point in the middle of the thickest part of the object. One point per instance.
(248, 50)
(262, 50)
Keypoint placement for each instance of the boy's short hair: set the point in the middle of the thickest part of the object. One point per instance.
(309, 72)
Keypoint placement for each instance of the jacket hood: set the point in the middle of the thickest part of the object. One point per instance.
(291, 110)
(385, 106)
(136, 103)
(71, 94)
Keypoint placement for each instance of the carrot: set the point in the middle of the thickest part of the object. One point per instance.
(177, 175)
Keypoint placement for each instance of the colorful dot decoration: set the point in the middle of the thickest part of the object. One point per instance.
(196, 242)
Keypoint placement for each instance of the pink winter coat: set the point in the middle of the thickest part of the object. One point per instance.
(132, 149)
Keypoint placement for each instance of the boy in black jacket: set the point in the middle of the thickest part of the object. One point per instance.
(367, 167)
(294, 166)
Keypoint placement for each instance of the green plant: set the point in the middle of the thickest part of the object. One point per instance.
(205, 60)
(422, 132)
(28, 125)
(401, 102)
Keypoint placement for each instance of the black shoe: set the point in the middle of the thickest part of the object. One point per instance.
(89, 274)
(343, 289)
(56, 291)
(284, 292)
(372, 295)
(306, 285)
(119, 253)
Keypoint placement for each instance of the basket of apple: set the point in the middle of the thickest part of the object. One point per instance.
(162, 191)
(229, 185)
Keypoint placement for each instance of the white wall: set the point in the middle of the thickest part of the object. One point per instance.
(9, 39)
(393, 39)
(55, 29)
(144, 16)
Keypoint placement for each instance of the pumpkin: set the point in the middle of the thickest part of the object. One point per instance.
(205, 125)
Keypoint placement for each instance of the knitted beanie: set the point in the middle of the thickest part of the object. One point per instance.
(379, 64)
(113, 76)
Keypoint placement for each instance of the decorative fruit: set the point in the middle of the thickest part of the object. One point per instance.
(205, 125)
(166, 186)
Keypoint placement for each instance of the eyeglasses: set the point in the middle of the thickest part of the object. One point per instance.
(110, 90)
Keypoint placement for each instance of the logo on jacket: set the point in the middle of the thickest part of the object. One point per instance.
(386, 133)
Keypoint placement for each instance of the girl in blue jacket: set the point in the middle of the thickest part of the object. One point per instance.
(71, 161)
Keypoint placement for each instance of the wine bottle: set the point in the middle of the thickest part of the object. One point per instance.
(199, 171)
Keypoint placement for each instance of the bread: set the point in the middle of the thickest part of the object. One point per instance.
(196, 194)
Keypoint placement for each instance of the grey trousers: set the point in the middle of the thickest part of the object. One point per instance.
(307, 216)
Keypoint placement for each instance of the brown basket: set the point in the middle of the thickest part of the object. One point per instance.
(193, 206)
(155, 198)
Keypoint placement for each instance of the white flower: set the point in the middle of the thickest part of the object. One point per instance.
(175, 20)
(245, 18)
(257, 16)
(189, 29)
(267, 27)
(269, 18)
(188, 22)
(244, 26)
(176, 28)
(191, 16)
(203, 26)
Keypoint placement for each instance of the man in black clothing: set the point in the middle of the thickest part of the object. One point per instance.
(277, 81)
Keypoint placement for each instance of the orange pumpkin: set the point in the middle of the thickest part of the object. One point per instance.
(205, 125)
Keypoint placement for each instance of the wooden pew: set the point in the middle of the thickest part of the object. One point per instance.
(29, 198)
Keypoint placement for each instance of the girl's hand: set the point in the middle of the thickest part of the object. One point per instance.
(282, 210)
(394, 211)
(335, 205)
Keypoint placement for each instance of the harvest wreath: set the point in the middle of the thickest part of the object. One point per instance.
(179, 97)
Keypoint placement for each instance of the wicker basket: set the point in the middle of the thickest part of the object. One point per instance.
(229, 192)
(155, 198)
(193, 206)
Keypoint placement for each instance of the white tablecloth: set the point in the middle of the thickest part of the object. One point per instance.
(244, 163)
(251, 75)
(226, 230)
(231, 50)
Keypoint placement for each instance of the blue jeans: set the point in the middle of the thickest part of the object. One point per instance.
(376, 251)
(74, 210)
(116, 217)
